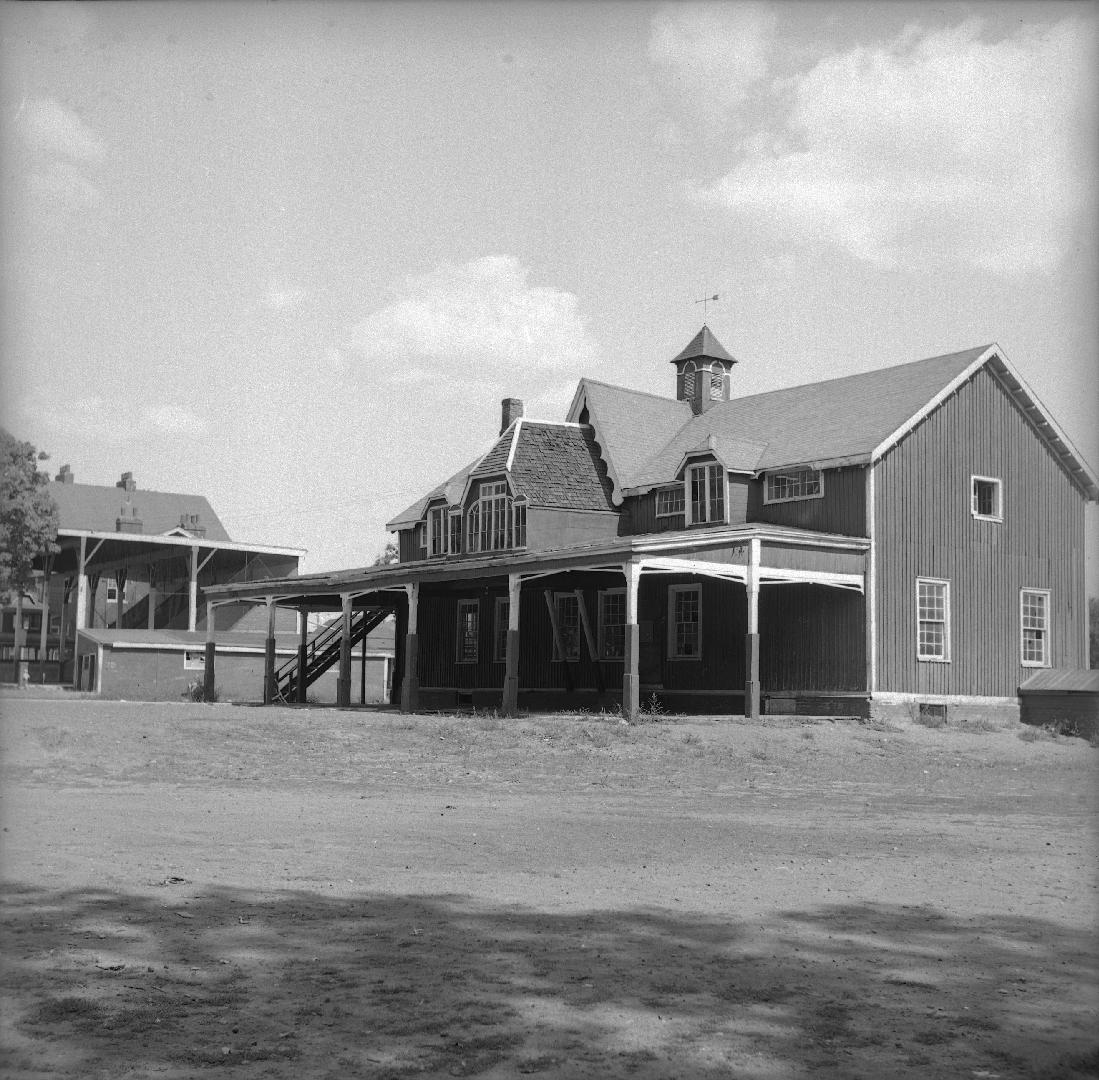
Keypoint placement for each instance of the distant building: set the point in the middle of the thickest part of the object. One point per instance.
(133, 560)
(910, 538)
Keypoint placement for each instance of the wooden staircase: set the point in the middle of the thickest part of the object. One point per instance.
(323, 650)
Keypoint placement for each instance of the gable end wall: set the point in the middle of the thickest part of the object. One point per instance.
(923, 527)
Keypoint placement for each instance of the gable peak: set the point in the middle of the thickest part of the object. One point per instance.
(704, 346)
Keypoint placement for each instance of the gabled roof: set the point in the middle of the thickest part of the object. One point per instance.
(550, 464)
(95, 508)
(704, 346)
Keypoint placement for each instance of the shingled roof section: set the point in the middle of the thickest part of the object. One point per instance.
(559, 465)
(95, 508)
(704, 346)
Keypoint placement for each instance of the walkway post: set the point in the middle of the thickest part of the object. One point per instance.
(303, 655)
(269, 687)
(192, 590)
(751, 666)
(509, 704)
(631, 682)
(410, 685)
(208, 684)
(343, 686)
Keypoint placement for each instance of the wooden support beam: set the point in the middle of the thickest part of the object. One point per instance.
(751, 688)
(208, 683)
(343, 684)
(509, 703)
(410, 683)
(558, 640)
(44, 628)
(192, 591)
(269, 687)
(303, 656)
(589, 638)
(631, 681)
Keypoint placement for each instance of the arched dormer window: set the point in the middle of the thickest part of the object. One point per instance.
(495, 520)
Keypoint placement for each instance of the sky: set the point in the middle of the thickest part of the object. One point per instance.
(292, 255)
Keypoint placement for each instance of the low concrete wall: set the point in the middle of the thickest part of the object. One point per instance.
(959, 710)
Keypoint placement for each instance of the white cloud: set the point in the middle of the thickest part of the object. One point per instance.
(173, 420)
(482, 316)
(713, 52)
(939, 146)
(47, 125)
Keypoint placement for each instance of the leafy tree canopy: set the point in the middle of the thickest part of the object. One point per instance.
(28, 516)
(389, 556)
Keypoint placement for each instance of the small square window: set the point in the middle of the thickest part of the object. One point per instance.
(194, 661)
(987, 498)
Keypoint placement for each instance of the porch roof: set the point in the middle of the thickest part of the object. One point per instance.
(323, 590)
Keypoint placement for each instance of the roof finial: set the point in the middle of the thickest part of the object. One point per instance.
(706, 300)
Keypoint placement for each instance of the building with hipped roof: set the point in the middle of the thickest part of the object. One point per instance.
(909, 537)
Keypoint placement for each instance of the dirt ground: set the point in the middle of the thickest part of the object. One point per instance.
(197, 890)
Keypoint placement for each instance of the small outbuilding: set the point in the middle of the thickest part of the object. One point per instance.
(1065, 697)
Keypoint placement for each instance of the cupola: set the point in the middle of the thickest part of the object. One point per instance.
(702, 372)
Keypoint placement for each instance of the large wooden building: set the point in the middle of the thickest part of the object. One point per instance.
(907, 538)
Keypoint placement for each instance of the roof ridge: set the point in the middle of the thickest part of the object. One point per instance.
(630, 390)
(975, 350)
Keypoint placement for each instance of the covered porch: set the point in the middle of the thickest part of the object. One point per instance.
(727, 615)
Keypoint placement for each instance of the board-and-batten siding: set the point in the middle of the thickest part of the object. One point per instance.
(924, 527)
(841, 509)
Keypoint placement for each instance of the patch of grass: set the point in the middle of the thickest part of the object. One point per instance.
(68, 1010)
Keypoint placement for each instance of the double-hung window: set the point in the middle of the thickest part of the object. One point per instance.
(437, 529)
(1034, 627)
(567, 609)
(706, 493)
(456, 532)
(684, 622)
(986, 498)
(469, 619)
(612, 624)
(932, 619)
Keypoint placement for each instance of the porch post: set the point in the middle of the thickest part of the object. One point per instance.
(410, 686)
(151, 624)
(343, 686)
(303, 655)
(192, 591)
(208, 675)
(81, 618)
(44, 628)
(751, 667)
(631, 682)
(269, 654)
(510, 702)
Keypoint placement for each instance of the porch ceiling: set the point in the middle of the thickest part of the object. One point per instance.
(689, 551)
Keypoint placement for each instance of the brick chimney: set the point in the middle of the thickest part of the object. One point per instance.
(127, 520)
(65, 476)
(127, 483)
(511, 408)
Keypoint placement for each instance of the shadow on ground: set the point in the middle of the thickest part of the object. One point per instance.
(292, 984)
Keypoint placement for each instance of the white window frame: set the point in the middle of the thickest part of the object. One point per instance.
(1045, 630)
(500, 629)
(920, 654)
(673, 592)
(998, 486)
(465, 605)
(419, 540)
(769, 477)
(571, 597)
(190, 663)
(602, 638)
(454, 524)
(438, 515)
(519, 523)
(681, 491)
(710, 467)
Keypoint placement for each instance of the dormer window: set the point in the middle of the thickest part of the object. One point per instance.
(705, 494)
(986, 496)
(790, 485)
(496, 521)
(437, 532)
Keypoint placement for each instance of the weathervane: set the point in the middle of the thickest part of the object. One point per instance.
(704, 301)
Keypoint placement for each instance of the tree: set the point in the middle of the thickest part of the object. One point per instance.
(390, 555)
(28, 525)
